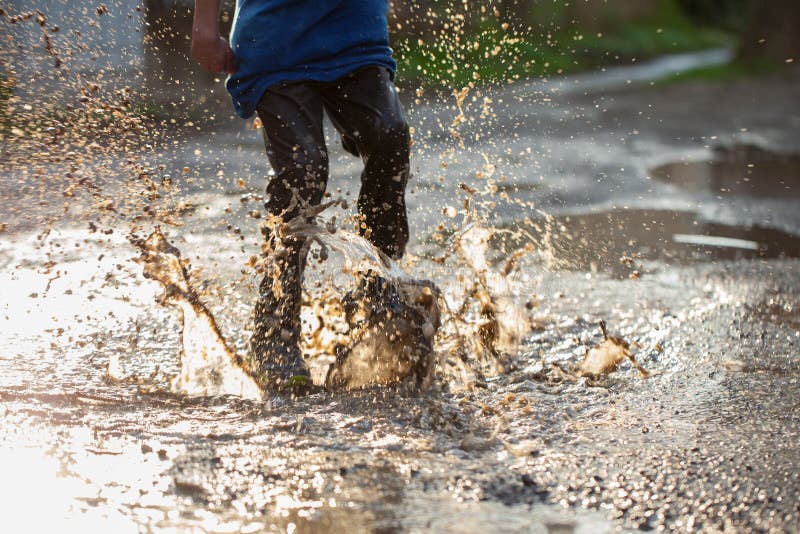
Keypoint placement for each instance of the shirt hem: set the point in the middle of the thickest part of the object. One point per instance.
(261, 84)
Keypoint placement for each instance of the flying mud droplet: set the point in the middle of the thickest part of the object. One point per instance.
(606, 357)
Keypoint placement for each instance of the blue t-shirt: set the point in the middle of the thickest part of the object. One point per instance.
(289, 40)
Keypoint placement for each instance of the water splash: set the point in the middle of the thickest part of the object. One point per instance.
(428, 337)
(506, 320)
(208, 366)
(484, 322)
(606, 357)
(379, 333)
(391, 327)
(392, 331)
(387, 336)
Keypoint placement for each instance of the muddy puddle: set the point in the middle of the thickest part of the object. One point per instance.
(534, 444)
(629, 243)
(739, 170)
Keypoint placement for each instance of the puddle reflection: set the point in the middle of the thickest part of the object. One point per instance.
(741, 170)
(618, 241)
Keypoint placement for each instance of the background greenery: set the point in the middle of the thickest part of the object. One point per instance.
(452, 43)
(447, 44)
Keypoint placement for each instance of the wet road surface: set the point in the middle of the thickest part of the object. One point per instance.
(708, 442)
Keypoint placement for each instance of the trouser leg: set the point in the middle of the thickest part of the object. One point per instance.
(275, 342)
(365, 108)
(291, 116)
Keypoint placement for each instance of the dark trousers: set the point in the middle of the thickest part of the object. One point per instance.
(365, 109)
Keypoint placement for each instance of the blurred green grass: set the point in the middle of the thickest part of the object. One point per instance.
(488, 53)
(718, 73)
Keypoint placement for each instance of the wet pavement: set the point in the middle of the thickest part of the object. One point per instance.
(709, 440)
(670, 212)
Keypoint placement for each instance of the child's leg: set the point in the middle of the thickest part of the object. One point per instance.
(365, 108)
(291, 116)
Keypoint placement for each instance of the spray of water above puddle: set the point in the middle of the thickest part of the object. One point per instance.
(401, 328)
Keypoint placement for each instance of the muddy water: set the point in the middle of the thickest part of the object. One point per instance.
(739, 170)
(379, 333)
(103, 454)
(628, 243)
(707, 442)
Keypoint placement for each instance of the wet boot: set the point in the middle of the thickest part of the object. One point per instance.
(274, 351)
(372, 293)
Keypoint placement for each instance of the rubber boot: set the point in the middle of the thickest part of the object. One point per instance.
(274, 351)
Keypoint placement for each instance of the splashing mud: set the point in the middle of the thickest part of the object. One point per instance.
(606, 357)
(208, 366)
(383, 331)
(390, 326)
(411, 327)
(392, 329)
(505, 322)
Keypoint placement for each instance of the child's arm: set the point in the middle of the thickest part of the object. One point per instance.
(209, 48)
